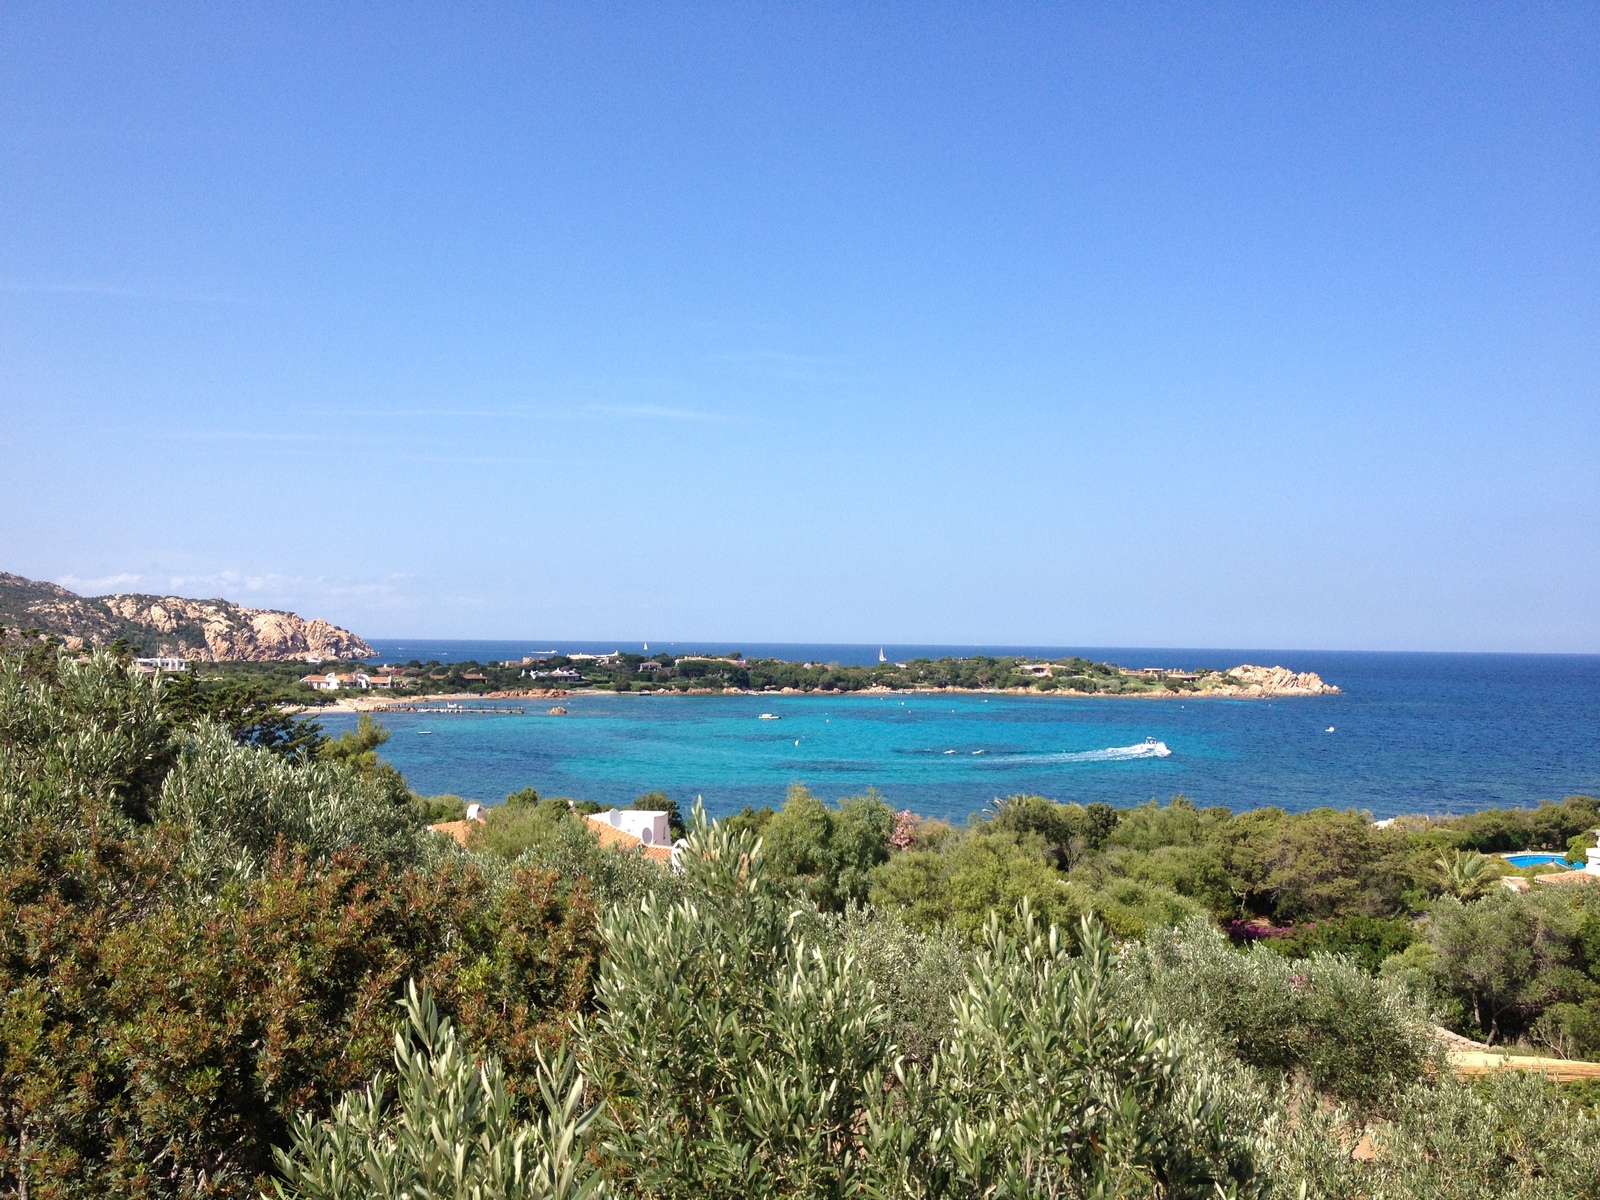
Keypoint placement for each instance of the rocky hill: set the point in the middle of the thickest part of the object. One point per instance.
(207, 630)
(1247, 680)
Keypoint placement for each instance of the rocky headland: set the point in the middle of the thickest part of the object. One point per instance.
(1246, 680)
(199, 630)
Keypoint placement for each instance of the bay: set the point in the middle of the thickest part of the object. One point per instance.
(1411, 733)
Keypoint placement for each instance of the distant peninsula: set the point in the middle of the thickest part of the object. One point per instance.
(700, 674)
(172, 626)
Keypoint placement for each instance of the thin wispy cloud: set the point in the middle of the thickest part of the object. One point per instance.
(392, 414)
(100, 585)
(115, 292)
(167, 584)
(255, 435)
(270, 590)
(498, 460)
(784, 364)
(780, 357)
(659, 412)
(394, 448)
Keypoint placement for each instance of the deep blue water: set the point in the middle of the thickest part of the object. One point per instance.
(1412, 733)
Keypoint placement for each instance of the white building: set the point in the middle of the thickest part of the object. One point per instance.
(649, 826)
(151, 665)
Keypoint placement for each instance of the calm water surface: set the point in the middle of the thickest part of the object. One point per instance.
(1412, 733)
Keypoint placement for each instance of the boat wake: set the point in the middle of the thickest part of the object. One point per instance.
(1149, 748)
(1146, 749)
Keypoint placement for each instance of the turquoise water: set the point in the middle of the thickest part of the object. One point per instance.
(1412, 733)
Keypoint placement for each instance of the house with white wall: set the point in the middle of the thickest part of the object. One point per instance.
(627, 827)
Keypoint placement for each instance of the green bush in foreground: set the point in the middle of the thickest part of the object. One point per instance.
(451, 1131)
(1048, 1086)
(1356, 1039)
(199, 937)
(735, 1055)
(202, 937)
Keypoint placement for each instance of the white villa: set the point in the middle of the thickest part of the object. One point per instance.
(622, 828)
(332, 681)
(649, 826)
(149, 666)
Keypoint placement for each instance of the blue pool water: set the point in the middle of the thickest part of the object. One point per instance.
(1533, 860)
(1412, 733)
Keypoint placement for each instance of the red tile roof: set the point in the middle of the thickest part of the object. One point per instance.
(620, 839)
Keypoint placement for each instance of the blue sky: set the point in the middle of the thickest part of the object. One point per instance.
(1122, 325)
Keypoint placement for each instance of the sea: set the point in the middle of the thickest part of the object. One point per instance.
(1409, 733)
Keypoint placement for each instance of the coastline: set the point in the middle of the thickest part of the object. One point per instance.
(373, 704)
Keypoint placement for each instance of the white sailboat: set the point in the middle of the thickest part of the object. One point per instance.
(881, 657)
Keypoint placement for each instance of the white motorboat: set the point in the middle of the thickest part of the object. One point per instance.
(769, 717)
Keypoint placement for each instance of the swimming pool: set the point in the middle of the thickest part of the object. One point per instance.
(1533, 860)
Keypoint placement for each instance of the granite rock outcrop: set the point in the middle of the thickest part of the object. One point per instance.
(204, 630)
(1247, 680)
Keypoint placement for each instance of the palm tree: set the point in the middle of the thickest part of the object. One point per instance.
(1465, 872)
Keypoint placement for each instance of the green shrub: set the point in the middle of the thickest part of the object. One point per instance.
(155, 1047)
(200, 936)
(1507, 958)
(1069, 831)
(75, 734)
(1570, 1030)
(1547, 827)
(734, 1055)
(1510, 1135)
(828, 854)
(433, 810)
(1049, 1086)
(974, 875)
(1131, 908)
(550, 837)
(1356, 1039)
(916, 975)
(237, 803)
(450, 1132)
(1366, 940)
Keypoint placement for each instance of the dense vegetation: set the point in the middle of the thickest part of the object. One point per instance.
(697, 673)
(233, 959)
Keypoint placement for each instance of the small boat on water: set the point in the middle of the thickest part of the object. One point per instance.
(769, 717)
(1329, 729)
(1159, 749)
(424, 733)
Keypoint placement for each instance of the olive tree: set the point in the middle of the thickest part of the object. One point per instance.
(444, 1127)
